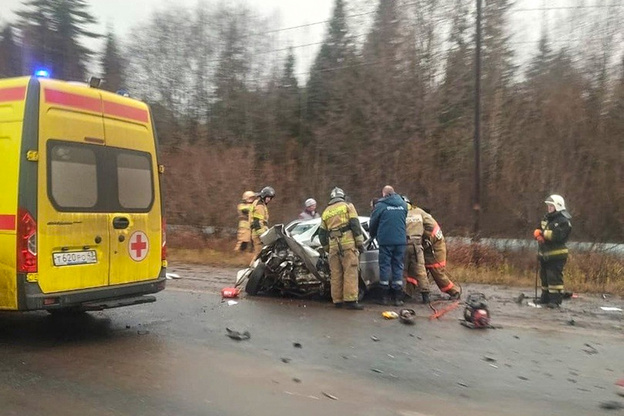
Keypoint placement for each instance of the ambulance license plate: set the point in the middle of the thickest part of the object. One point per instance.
(70, 258)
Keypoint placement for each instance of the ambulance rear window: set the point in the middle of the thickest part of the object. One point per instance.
(73, 176)
(134, 180)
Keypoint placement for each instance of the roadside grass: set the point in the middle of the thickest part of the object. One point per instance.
(588, 272)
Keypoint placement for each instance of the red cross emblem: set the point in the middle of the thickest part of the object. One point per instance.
(139, 246)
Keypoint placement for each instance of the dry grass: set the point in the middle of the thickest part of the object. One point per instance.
(590, 272)
(585, 272)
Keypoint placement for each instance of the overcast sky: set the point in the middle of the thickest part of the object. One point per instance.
(123, 15)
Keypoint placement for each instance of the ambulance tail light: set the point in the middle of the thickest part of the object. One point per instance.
(163, 248)
(26, 242)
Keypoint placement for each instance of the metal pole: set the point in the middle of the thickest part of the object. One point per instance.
(477, 132)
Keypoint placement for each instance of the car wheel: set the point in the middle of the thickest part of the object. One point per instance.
(254, 282)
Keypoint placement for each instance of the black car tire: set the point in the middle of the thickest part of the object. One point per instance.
(254, 282)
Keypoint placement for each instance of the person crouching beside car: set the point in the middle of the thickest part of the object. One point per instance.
(341, 236)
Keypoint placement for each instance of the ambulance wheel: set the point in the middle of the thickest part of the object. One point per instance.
(254, 282)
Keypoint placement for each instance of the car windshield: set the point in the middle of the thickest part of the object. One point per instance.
(302, 228)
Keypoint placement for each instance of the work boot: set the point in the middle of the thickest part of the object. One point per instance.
(397, 297)
(425, 297)
(385, 298)
(353, 306)
(338, 305)
(544, 298)
(454, 295)
(555, 300)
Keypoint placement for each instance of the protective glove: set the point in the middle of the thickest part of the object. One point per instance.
(361, 248)
(539, 236)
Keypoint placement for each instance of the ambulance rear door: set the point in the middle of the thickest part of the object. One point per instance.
(135, 227)
(73, 238)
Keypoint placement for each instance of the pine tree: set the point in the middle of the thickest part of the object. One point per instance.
(334, 54)
(51, 31)
(113, 65)
(289, 100)
(10, 59)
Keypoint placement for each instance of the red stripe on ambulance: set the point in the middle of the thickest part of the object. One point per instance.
(12, 94)
(73, 100)
(7, 222)
(125, 111)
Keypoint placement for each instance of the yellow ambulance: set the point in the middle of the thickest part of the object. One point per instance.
(81, 212)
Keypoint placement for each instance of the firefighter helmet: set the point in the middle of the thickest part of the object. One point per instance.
(337, 193)
(267, 191)
(248, 195)
(406, 199)
(556, 201)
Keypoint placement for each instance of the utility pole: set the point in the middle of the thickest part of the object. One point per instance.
(477, 131)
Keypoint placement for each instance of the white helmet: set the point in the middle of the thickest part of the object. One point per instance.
(309, 202)
(556, 201)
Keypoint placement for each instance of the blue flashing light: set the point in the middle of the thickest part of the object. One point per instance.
(42, 73)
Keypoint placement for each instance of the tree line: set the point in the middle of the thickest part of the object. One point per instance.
(388, 99)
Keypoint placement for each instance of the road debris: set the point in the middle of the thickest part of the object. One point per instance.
(374, 338)
(489, 359)
(230, 292)
(297, 345)
(143, 332)
(533, 304)
(296, 380)
(611, 309)
(590, 350)
(171, 276)
(520, 298)
(331, 396)
(232, 302)
(611, 405)
(286, 360)
(390, 314)
(619, 387)
(406, 316)
(376, 370)
(238, 336)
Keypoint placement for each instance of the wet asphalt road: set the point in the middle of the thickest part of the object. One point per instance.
(173, 358)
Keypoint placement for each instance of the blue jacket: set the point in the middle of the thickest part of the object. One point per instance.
(387, 222)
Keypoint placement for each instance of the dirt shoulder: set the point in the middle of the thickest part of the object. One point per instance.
(581, 313)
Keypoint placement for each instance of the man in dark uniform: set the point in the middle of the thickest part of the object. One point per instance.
(552, 236)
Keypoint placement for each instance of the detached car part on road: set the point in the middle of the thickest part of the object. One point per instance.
(288, 267)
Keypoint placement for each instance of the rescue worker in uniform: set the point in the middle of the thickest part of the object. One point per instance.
(259, 217)
(341, 236)
(243, 236)
(309, 211)
(416, 280)
(387, 225)
(551, 237)
(434, 247)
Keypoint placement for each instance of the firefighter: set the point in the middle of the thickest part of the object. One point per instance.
(259, 217)
(434, 247)
(243, 236)
(309, 211)
(387, 225)
(341, 236)
(414, 271)
(551, 237)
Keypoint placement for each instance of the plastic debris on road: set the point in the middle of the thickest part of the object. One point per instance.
(171, 276)
(230, 292)
(236, 335)
(611, 309)
(390, 314)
